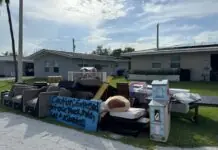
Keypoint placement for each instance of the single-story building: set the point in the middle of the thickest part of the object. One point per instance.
(201, 60)
(7, 66)
(55, 63)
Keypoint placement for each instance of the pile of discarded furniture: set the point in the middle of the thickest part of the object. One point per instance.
(32, 98)
(130, 109)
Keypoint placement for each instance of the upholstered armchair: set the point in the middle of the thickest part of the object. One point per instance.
(37, 101)
(44, 101)
(32, 96)
(14, 96)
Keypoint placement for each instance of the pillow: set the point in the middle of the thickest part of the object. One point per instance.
(117, 104)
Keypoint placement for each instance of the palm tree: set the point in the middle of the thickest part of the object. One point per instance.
(7, 2)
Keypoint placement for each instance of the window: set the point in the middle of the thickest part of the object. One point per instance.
(175, 61)
(46, 69)
(55, 67)
(156, 65)
(47, 65)
(175, 65)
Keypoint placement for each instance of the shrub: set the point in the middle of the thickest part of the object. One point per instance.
(156, 72)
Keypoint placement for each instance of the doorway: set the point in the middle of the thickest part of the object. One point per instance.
(214, 67)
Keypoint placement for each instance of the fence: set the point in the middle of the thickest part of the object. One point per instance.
(72, 76)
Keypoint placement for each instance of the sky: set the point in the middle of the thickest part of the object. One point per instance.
(51, 24)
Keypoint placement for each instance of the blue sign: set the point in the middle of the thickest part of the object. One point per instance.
(79, 113)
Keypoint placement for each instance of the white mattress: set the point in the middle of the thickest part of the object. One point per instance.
(132, 113)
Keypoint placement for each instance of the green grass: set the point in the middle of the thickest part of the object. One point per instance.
(6, 85)
(203, 88)
(183, 133)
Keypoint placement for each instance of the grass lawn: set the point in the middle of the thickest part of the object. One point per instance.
(183, 133)
(203, 88)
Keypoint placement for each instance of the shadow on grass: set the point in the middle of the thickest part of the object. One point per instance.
(185, 133)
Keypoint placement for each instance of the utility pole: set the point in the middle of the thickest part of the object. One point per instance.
(74, 46)
(158, 36)
(20, 42)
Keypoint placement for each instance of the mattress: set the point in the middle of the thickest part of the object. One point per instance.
(174, 91)
(132, 113)
(186, 98)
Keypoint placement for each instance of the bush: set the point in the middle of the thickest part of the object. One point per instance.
(155, 72)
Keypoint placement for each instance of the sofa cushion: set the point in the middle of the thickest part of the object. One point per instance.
(7, 97)
(17, 99)
(32, 102)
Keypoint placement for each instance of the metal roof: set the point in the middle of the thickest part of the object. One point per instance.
(75, 55)
(174, 50)
(10, 58)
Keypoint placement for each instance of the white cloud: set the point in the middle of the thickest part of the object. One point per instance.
(175, 27)
(206, 36)
(85, 12)
(94, 13)
(97, 36)
(148, 42)
(190, 9)
(161, 13)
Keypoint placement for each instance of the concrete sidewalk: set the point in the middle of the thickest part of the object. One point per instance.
(20, 133)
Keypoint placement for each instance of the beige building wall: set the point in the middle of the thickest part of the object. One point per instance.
(196, 62)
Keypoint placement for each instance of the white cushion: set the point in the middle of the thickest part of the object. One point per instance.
(132, 113)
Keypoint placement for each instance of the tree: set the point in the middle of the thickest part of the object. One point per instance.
(7, 53)
(128, 50)
(119, 51)
(116, 52)
(7, 2)
(101, 51)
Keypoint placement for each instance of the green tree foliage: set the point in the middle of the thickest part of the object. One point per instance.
(100, 50)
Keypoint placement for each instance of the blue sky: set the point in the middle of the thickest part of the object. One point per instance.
(114, 24)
